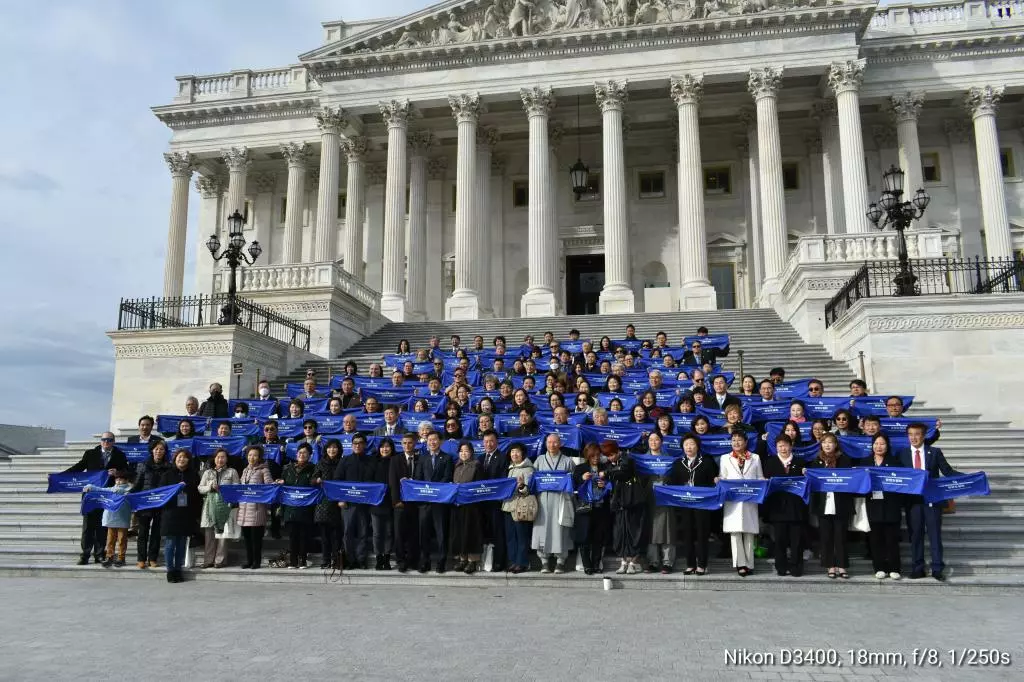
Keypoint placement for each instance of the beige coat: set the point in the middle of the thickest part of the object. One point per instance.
(251, 514)
(227, 477)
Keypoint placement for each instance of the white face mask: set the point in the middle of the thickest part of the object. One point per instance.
(264, 392)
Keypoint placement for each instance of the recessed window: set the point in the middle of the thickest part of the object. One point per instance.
(520, 194)
(342, 203)
(717, 180)
(284, 210)
(246, 213)
(593, 192)
(1006, 161)
(930, 169)
(651, 184)
(790, 176)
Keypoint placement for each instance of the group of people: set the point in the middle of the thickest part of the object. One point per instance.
(462, 433)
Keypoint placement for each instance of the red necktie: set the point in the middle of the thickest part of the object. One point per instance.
(917, 459)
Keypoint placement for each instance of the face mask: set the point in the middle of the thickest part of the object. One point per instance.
(239, 415)
(264, 392)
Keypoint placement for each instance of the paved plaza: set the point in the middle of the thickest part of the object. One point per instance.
(111, 629)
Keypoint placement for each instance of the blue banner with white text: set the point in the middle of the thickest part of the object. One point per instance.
(689, 497)
(854, 481)
(427, 491)
(950, 487)
(264, 493)
(154, 498)
(355, 492)
(551, 482)
(74, 482)
(491, 490)
(794, 485)
(743, 490)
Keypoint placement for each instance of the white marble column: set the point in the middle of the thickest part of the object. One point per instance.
(816, 180)
(484, 274)
(464, 303)
(982, 103)
(420, 143)
(845, 78)
(695, 291)
(764, 84)
(905, 109)
(373, 246)
(211, 191)
(963, 176)
(437, 168)
(331, 121)
(355, 204)
(237, 161)
(181, 164)
(748, 118)
(825, 113)
(297, 154)
(556, 255)
(617, 294)
(539, 299)
(392, 295)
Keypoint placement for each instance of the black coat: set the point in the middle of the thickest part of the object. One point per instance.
(215, 406)
(380, 469)
(889, 509)
(628, 489)
(843, 501)
(148, 476)
(302, 478)
(327, 511)
(399, 469)
(707, 356)
(497, 467)
(426, 471)
(783, 507)
(577, 481)
(92, 460)
(703, 475)
(355, 468)
(531, 429)
(181, 520)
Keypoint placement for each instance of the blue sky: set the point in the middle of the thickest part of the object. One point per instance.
(83, 184)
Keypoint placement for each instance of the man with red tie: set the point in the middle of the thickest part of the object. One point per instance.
(921, 516)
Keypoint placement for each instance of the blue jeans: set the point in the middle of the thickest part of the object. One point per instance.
(174, 552)
(517, 540)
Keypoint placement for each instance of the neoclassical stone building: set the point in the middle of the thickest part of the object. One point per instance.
(428, 157)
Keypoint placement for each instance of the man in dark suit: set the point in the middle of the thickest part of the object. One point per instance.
(105, 456)
(720, 396)
(787, 513)
(495, 465)
(392, 426)
(699, 356)
(923, 517)
(436, 467)
(407, 547)
(528, 426)
(358, 468)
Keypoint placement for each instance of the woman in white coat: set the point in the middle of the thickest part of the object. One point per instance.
(556, 513)
(740, 518)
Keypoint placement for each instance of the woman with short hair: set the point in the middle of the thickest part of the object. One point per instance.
(696, 470)
(740, 519)
(518, 533)
(218, 520)
(466, 532)
(833, 510)
(592, 523)
(252, 516)
(628, 506)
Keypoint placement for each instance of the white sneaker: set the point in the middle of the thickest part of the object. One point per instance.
(623, 568)
(880, 575)
(633, 568)
(895, 575)
(545, 568)
(559, 568)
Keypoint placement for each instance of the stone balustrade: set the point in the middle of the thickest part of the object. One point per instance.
(945, 16)
(243, 84)
(283, 278)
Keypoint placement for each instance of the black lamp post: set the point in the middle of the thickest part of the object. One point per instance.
(235, 256)
(579, 174)
(892, 211)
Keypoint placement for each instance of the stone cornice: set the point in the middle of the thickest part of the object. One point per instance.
(226, 112)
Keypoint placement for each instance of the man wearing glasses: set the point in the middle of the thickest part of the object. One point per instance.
(815, 389)
(105, 456)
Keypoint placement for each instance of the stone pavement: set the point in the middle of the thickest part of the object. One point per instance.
(113, 629)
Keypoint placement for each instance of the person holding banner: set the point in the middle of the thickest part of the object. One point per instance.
(786, 512)
(552, 529)
(740, 519)
(466, 532)
(179, 519)
(299, 520)
(105, 456)
(433, 466)
(833, 510)
(381, 515)
(217, 520)
(186, 430)
(592, 524)
(147, 477)
(403, 466)
(695, 524)
(518, 524)
(661, 549)
(925, 517)
(629, 508)
(327, 514)
(252, 516)
(884, 512)
(116, 521)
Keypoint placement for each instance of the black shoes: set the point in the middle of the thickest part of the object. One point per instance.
(84, 561)
(917, 575)
(440, 567)
(940, 576)
(424, 568)
(175, 577)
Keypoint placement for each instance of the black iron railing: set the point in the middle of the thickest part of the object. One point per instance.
(933, 276)
(204, 311)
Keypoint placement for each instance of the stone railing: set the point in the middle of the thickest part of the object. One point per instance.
(945, 16)
(275, 278)
(869, 246)
(244, 83)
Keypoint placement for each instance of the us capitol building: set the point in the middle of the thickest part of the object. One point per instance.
(424, 161)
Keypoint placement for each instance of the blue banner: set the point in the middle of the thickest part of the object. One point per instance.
(788, 390)
(134, 452)
(73, 483)
(898, 480)
(426, 491)
(298, 496)
(569, 433)
(168, 423)
(180, 444)
(356, 493)
(949, 487)
(437, 404)
(743, 490)
(290, 427)
(875, 404)
(257, 408)
(794, 485)
(205, 446)
(533, 444)
(855, 481)
(627, 437)
(492, 490)
(775, 410)
(273, 452)
(823, 408)
(248, 427)
(897, 426)
(296, 390)
(101, 499)
(632, 345)
(716, 341)
(451, 448)
(387, 396)
(653, 465)
(689, 497)
(291, 449)
(153, 498)
(551, 482)
(329, 425)
(589, 491)
(263, 493)
(369, 422)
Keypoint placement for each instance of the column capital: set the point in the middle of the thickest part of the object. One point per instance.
(466, 107)
(687, 89)
(421, 141)
(958, 130)
(487, 136)
(611, 94)
(905, 106)
(436, 167)
(824, 111)
(209, 186)
(764, 81)
(236, 158)
(355, 147)
(983, 101)
(331, 119)
(537, 101)
(846, 76)
(396, 112)
(265, 183)
(297, 154)
(181, 164)
(376, 174)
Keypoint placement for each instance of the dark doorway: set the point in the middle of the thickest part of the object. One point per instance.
(584, 279)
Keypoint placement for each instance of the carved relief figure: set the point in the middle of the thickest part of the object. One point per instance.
(573, 13)
(520, 17)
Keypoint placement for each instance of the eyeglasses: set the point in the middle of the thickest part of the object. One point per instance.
(106, 440)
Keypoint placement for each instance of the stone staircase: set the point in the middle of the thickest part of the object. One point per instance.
(984, 542)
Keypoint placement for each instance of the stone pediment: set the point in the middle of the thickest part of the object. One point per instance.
(468, 22)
